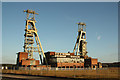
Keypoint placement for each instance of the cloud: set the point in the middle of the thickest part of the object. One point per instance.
(98, 37)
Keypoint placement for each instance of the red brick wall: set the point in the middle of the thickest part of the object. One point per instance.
(94, 61)
(91, 62)
(25, 62)
(22, 56)
(52, 53)
(70, 64)
(36, 62)
(28, 62)
(72, 54)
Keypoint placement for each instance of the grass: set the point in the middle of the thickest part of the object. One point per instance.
(101, 73)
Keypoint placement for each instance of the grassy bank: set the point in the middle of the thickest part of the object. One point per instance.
(101, 73)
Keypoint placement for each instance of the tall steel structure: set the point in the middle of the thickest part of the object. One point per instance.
(80, 45)
(32, 42)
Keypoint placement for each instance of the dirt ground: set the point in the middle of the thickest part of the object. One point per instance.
(109, 73)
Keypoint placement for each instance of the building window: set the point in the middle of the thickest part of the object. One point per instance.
(63, 66)
(71, 66)
(67, 66)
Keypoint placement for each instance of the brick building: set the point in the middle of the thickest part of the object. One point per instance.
(91, 63)
(22, 60)
(59, 60)
(64, 60)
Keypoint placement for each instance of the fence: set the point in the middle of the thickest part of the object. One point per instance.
(46, 68)
(54, 68)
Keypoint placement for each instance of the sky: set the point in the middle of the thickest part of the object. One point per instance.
(57, 28)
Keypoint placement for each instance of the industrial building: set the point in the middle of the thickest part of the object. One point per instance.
(77, 59)
(64, 60)
(23, 60)
(91, 63)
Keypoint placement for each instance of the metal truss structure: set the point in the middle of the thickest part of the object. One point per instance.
(32, 38)
(80, 45)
